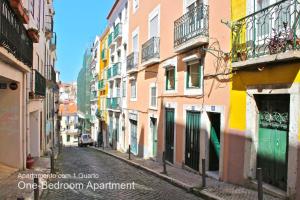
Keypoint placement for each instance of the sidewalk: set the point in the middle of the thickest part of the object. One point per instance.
(9, 184)
(189, 181)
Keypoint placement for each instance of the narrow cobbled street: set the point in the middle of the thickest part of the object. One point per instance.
(87, 161)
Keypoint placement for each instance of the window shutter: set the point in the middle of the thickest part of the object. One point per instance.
(154, 27)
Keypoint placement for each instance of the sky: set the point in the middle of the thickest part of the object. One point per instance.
(77, 22)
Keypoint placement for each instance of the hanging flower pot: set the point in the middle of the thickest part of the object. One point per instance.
(20, 10)
(34, 35)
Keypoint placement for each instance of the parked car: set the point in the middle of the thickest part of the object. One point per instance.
(84, 140)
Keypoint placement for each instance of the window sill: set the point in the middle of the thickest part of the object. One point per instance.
(153, 108)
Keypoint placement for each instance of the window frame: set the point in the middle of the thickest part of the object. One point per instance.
(152, 85)
(188, 76)
(167, 78)
(131, 97)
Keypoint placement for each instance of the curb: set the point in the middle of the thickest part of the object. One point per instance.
(175, 182)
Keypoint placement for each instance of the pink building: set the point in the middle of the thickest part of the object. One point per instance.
(178, 87)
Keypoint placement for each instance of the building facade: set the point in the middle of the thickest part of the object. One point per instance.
(84, 94)
(27, 39)
(116, 75)
(264, 104)
(68, 114)
(103, 89)
(94, 69)
(179, 90)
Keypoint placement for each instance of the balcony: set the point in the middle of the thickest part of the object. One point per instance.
(118, 31)
(116, 70)
(191, 29)
(101, 85)
(132, 62)
(110, 39)
(266, 36)
(94, 96)
(104, 54)
(49, 27)
(13, 35)
(37, 85)
(53, 75)
(113, 103)
(53, 42)
(151, 51)
(109, 73)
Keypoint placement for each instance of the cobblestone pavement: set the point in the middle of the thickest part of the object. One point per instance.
(76, 160)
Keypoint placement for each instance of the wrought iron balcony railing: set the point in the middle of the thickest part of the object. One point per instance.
(271, 30)
(132, 61)
(116, 69)
(37, 84)
(113, 103)
(110, 39)
(49, 26)
(109, 73)
(101, 85)
(104, 54)
(13, 35)
(118, 30)
(192, 24)
(53, 41)
(53, 75)
(151, 49)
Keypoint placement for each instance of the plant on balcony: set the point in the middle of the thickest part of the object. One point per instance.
(20, 10)
(34, 35)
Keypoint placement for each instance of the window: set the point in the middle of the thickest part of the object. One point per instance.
(170, 79)
(153, 97)
(154, 26)
(133, 89)
(193, 75)
(135, 43)
(32, 7)
(135, 5)
(118, 89)
(124, 88)
(68, 138)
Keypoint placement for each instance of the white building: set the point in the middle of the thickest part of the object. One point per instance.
(116, 74)
(94, 72)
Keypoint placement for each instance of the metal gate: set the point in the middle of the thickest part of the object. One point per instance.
(169, 134)
(273, 138)
(192, 139)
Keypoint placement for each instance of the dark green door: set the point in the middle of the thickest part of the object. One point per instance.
(192, 140)
(273, 138)
(214, 141)
(169, 134)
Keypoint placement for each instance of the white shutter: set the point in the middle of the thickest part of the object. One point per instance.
(154, 27)
(135, 43)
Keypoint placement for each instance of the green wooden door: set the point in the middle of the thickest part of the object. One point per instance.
(214, 141)
(169, 134)
(192, 140)
(273, 138)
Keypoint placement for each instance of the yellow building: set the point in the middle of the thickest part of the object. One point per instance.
(102, 85)
(264, 121)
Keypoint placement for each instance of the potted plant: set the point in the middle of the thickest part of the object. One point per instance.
(20, 10)
(33, 34)
(29, 161)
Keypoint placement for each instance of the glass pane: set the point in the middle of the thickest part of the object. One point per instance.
(154, 27)
(194, 73)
